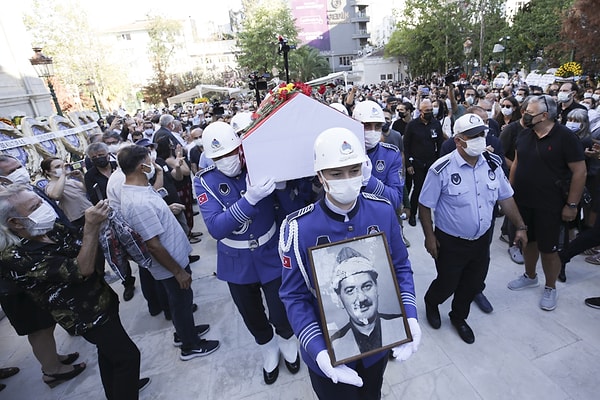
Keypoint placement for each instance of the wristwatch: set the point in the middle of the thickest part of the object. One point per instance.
(572, 205)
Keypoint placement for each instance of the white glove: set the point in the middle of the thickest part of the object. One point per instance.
(366, 171)
(256, 193)
(341, 373)
(404, 351)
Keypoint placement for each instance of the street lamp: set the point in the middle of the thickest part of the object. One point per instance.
(91, 85)
(504, 39)
(45, 69)
(467, 47)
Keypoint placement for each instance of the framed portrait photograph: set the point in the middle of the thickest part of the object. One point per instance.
(359, 298)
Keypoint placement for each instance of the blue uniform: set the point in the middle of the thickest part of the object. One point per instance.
(463, 199)
(317, 224)
(386, 174)
(246, 234)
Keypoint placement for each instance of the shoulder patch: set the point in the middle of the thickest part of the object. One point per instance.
(371, 196)
(390, 146)
(298, 213)
(204, 170)
(438, 167)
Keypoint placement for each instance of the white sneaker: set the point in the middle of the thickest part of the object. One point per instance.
(523, 282)
(516, 255)
(549, 298)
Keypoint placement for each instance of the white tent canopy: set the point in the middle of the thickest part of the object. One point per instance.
(202, 91)
(330, 78)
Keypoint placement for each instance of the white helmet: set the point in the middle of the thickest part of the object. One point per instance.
(337, 147)
(340, 107)
(240, 121)
(368, 111)
(219, 139)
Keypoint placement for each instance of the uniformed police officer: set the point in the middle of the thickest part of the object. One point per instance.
(343, 213)
(462, 187)
(242, 218)
(383, 174)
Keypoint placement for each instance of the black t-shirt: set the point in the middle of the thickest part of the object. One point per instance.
(422, 142)
(564, 113)
(542, 163)
(508, 138)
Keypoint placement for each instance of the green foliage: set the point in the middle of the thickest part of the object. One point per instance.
(258, 39)
(535, 32)
(61, 28)
(580, 28)
(307, 63)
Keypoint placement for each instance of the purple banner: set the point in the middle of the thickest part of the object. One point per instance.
(311, 21)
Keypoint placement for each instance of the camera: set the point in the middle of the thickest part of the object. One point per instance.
(452, 75)
(257, 81)
(77, 165)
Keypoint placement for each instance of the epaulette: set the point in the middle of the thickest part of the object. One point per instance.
(371, 196)
(390, 146)
(204, 170)
(440, 164)
(495, 158)
(298, 213)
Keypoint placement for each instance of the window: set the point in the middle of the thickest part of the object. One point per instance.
(390, 77)
(124, 36)
(346, 60)
(382, 77)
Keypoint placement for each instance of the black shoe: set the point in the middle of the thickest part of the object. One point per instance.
(201, 330)
(196, 234)
(271, 377)
(193, 258)
(483, 303)
(433, 315)
(464, 331)
(70, 358)
(593, 302)
(143, 383)
(128, 292)
(8, 372)
(205, 348)
(2, 386)
(56, 379)
(562, 275)
(295, 366)
(412, 221)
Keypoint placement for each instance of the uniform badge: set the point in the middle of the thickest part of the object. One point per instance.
(380, 165)
(491, 175)
(286, 262)
(215, 144)
(224, 189)
(203, 198)
(455, 179)
(346, 148)
(372, 229)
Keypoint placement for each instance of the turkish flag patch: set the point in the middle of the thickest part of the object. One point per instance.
(203, 198)
(287, 262)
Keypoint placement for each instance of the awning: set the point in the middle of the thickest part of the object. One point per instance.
(330, 78)
(203, 91)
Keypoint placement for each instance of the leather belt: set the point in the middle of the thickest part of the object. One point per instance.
(252, 243)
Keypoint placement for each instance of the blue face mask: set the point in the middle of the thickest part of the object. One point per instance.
(573, 126)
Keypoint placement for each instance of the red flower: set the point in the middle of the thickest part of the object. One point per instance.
(283, 84)
(322, 89)
(254, 116)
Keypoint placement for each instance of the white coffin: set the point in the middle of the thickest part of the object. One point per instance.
(281, 145)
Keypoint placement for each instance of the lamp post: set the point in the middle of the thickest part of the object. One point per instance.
(504, 39)
(467, 47)
(45, 69)
(91, 85)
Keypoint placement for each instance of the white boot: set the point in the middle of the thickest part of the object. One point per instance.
(289, 349)
(270, 353)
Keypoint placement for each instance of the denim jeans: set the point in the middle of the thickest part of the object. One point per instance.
(180, 304)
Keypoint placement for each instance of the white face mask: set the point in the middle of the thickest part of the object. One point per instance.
(42, 219)
(230, 166)
(58, 172)
(475, 146)
(586, 105)
(198, 142)
(150, 174)
(148, 132)
(436, 110)
(596, 96)
(19, 175)
(371, 139)
(519, 99)
(470, 100)
(507, 111)
(563, 97)
(153, 155)
(573, 126)
(490, 114)
(343, 191)
(113, 148)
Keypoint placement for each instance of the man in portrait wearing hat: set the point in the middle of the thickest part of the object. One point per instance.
(462, 189)
(355, 282)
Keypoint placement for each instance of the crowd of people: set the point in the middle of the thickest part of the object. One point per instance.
(454, 156)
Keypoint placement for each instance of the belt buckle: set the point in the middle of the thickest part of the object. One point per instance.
(252, 244)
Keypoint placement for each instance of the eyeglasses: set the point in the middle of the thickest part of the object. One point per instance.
(545, 103)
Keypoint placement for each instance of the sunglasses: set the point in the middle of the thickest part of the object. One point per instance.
(506, 106)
